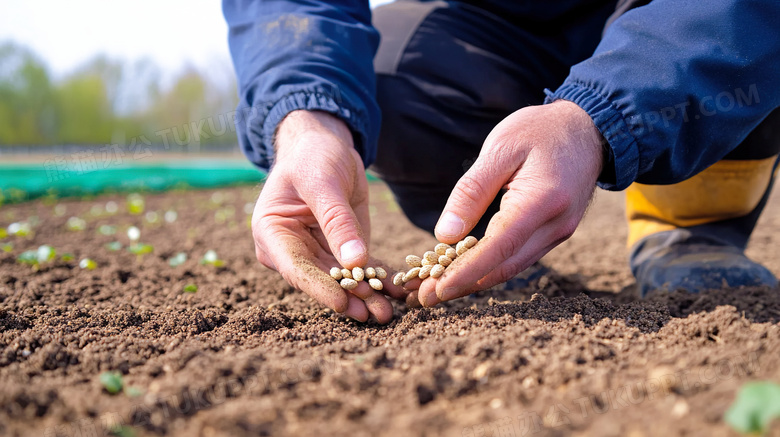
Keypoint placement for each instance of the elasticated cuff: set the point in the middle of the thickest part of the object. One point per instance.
(622, 165)
(264, 129)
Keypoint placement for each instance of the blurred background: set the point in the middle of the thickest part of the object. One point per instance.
(89, 86)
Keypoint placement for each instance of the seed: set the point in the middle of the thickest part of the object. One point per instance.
(380, 272)
(431, 256)
(413, 261)
(425, 271)
(335, 273)
(346, 273)
(461, 248)
(370, 273)
(441, 248)
(444, 260)
(375, 283)
(470, 241)
(358, 274)
(451, 253)
(411, 274)
(437, 271)
(348, 284)
(427, 262)
(398, 279)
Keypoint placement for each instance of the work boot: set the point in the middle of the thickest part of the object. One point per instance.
(678, 260)
(692, 235)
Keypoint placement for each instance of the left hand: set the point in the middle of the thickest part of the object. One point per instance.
(548, 158)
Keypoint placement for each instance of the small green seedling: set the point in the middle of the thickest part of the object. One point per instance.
(141, 249)
(3, 233)
(152, 217)
(114, 246)
(67, 257)
(122, 431)
(87, 264)
(37, 257)
(111, 381)
(107, 230)
(757, 404)
(135, 204)
(76, 224)
(7, 247)
(19, 229)
(177, 260)
(211, 258)
(190, 288)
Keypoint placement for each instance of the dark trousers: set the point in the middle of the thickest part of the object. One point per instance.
(448, 72)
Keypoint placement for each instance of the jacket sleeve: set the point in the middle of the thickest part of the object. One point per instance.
(313, 55)
(677, 84)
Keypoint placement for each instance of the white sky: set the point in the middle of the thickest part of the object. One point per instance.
(66, 33)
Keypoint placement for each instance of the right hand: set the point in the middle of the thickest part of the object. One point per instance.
(312, 214)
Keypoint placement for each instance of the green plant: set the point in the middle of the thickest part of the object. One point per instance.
(171, 216)
(19, 229)
(190, 288)
(140, 249)
(114, 246)
(67, 257)
(3, 233)
(107, 229)
(211, 258)
(177, 260)
(122, 431)
(88, 264)
(111, 381)
(7, 247)
(135, 204)
(756, 405)
(76, 224)
(37, 257)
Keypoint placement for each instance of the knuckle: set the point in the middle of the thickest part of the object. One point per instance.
(336, 221)
(558, 200)
(568, 228)
(470, 190)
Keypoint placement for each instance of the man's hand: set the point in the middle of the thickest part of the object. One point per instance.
(548, 159)
(312, 214)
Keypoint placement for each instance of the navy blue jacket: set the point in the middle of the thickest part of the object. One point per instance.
(673, 86)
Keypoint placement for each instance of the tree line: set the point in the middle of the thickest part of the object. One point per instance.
(105, 101)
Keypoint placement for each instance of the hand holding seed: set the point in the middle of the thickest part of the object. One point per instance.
(312, 214)
(548, 159)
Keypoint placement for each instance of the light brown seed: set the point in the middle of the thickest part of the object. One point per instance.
(375, 283)
(380, 272)
(444, 260)
(427, 262)
(470, 241)
(335, 273)
(358, 274)
(425, 271)
(370, 273)
(452, 253)
(431, 256)
(437, 271)
(411, 274)
(346, 273)
(348, 284)
(398, 279)
(461, 248)
(441, 249)
(413, 261)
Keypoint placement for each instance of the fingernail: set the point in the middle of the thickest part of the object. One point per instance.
(448, 293)
(450, 225)
(352, 250)
(431, 300)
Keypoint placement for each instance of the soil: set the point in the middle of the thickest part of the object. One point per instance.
(576, 353)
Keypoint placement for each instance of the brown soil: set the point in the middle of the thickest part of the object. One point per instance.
(575, 354)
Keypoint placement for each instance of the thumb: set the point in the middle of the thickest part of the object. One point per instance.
(469, 200)
(342, 229)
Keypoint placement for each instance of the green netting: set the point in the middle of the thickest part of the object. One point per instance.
(20, 182)
(29, 181)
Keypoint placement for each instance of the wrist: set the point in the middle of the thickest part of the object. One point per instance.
(584, 133)
(302, 129)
